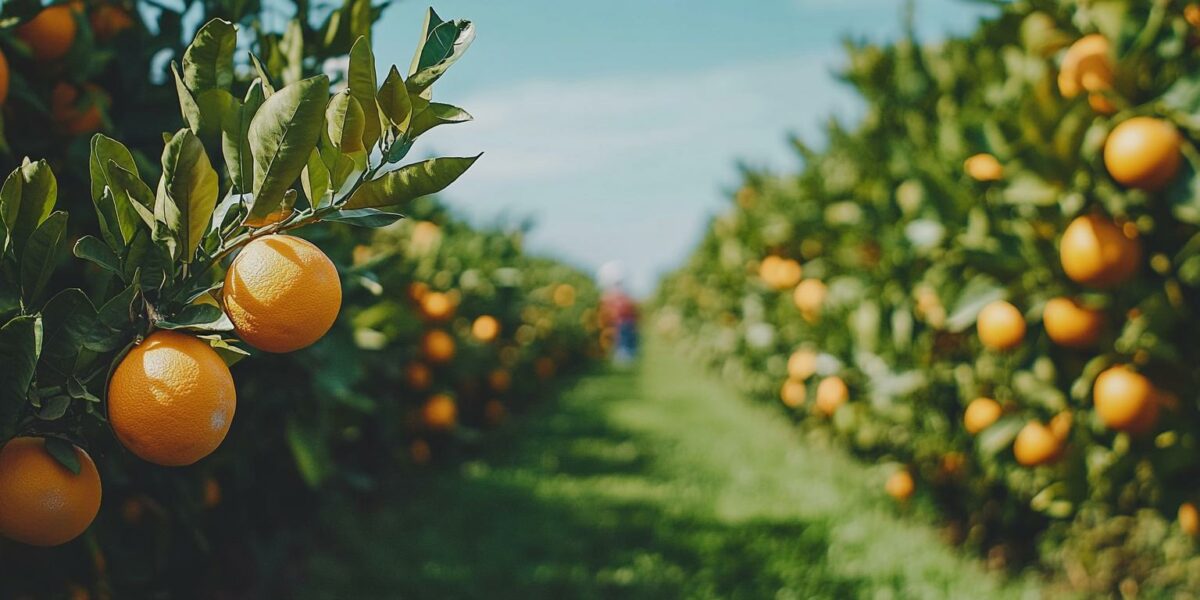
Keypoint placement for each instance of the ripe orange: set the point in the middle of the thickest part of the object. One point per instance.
(984, 167)
(1189, 517)
(1143, 153)
(1036, 445)
(793, 393)
(981, 413)
(564, 295)
(1060, 425)
(779, 273)
(171, 399)
(494, 412)
(802, 364)
(438, 346)
(425, 237)
(900, 485)
(1191, 14)
(109, 21)
(1087, 66)
(439, 413)
(544, 368)
(1097, 253)
(809, 296)
(1070, 324)
(212, 493)
(75, 115)
(42, 503)
(499, 380)
(418, 376)
(282, 293)
(1001, 326)
(485, 328)
(419, 452)
(51, 33)
(3, 78)
(1125, 400)
(832, 393)
(437, 306)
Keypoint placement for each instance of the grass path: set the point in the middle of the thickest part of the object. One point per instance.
(652, 483)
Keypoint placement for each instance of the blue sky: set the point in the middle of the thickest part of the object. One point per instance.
(617, 125)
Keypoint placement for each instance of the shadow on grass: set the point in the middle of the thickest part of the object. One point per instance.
(568, 505)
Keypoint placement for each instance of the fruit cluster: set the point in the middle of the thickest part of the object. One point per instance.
(995, 290)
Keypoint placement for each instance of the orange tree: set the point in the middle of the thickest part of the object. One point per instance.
(990, 285)
(116, 361)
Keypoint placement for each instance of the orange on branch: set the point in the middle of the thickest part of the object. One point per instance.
(1070, 324)
(1143, 153)
(981, 413)
(438, 346)
(1096, 252)
(1125, 400)
(439, 413)
(1036, 445)
(51, 33)
(1001, 326)
(42, 503)
(832, 393)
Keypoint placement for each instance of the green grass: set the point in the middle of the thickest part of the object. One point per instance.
(652, 483)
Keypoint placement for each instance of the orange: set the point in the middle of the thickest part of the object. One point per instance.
(1060, 425)
(900, 485)
(171, 399)
(425, 237)
(437, 306)
(439, 413)
(499, 380)
(494, 412)
(984, 167)
(564, 295)
(1189, 517)
(1001, 326)
(3, 78)
(109, 21)
(485, 328)
(1124, 399)
(212, 493)
(1071, 325)
(1097, 253)
(809, 296)
(438, 346)
(544, 368)
(981, 413)
(417, 290)
(1143, 153)
(74, 114)
(1087, 66)
(418, 376)
(282, 293)
(42, 503)
(419, 452)
(1036, 445)
(832, 393)
(51, 33)
(1191, 14)
(802, 364)
(779, 273)
(793, 393)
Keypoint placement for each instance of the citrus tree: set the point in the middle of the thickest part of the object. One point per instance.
(988, 285)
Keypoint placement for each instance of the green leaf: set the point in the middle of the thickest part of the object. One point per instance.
(26, 200)
(189, 108)
(1000, 435)
(345, 122)
(309, 452)
(361, 83)
(432, 21)
(444, 46)
(291, 46)
(394, 104)
(117, 213)
(208, 60)
(437, 114)
(979, 292)
(54, 407)
(410, 182)
(235, 142)
(93, 250)
(148, 262)
(20, 345)
(315, 181)
(264, 76)
(67, 320)
(42, 253)
(364, 217)
(139, 195)
(187, 192)
(282, 136)
(63, 452)
(198, 317)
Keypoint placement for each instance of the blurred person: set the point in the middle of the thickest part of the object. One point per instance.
(619, 313)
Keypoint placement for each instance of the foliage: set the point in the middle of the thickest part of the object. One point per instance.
(914, 231)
